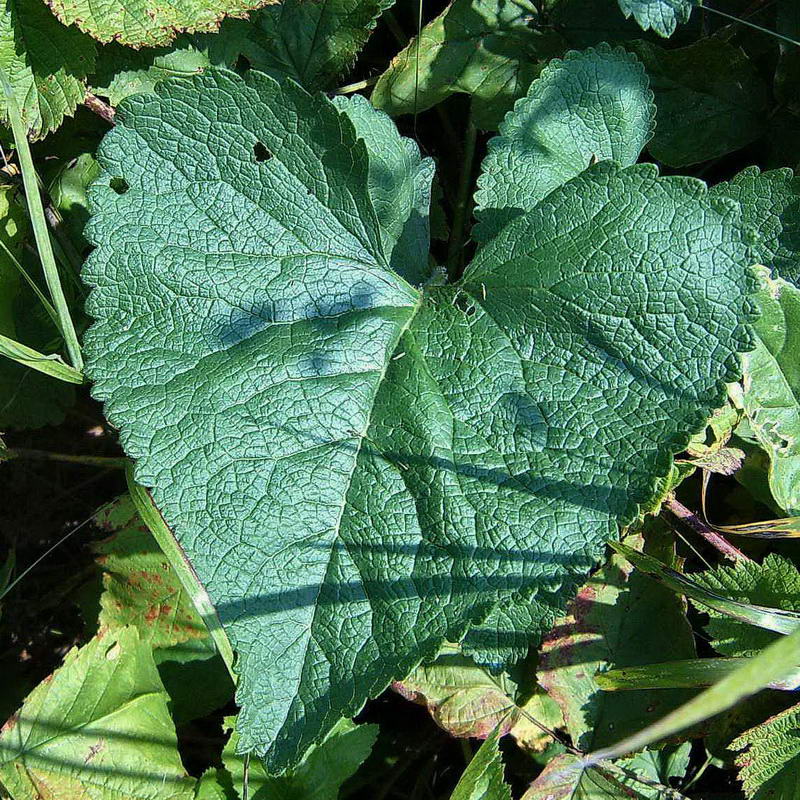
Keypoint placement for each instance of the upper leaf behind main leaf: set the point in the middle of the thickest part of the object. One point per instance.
(357, 470)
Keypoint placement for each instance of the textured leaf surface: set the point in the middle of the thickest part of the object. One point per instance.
(662, 16)
(98, 727)
(483, 778)
(485, 48)
(775, 583)
(399, 185)
(771, 204)
(564, 779)
(610, 625)
(711, 100)
(770, 761)
(320, 774)
(771, 387)
(28, 398)
(356, 470)
(45, 63)
(147, 22)
(592, 106)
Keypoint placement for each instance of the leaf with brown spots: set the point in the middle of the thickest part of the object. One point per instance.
(140, 588)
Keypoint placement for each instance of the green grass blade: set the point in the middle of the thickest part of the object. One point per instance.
(49, 365)
(691, 673)
(772, 664)
(151, 516)
(39, 224)
(48, 306)
(771, 619)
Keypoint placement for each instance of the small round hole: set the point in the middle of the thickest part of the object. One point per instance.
(119, 185)
(261, 153)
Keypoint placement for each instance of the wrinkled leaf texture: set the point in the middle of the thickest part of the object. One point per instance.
(357, 468)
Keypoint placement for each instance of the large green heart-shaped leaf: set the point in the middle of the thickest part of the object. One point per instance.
(358, 469)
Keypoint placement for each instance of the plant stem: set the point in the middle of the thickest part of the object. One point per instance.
(29, 454)
(455, 249)
(698, 526)
(103, 110)
(350, 88)
(752, 25)
(39, 224)
(189, 579)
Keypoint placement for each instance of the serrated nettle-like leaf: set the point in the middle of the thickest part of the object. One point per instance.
(97, 727)
(711, 100)
(45, 63)
(770, 395)
(594, 105)
(485, 48)
(775, 583)
(149, 23)
(770, 757)
(770, 202)
(661, 16)
(610, 624)
(312, 43)
(356, 469)
(483, 779)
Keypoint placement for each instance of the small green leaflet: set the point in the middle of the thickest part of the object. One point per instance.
(770, 393)
(592, 106)
(148, 22)
(775, 583)
(45, 63)
(483, 778)
(488, 49)
(661, 16)
(97, 727)
(356, 469)
(769, 760)
(469, 702)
